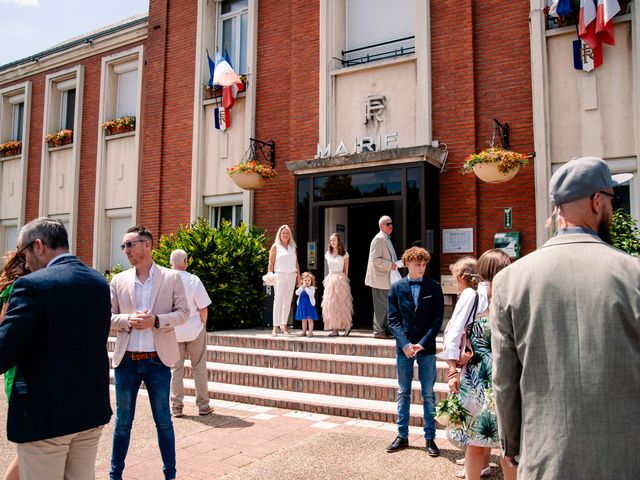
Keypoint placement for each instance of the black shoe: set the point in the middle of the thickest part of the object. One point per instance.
(382, 335)
(432, 449)
(398, 444)
(347, 332)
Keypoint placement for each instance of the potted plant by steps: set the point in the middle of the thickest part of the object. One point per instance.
(251, 174)
(126, 123)
(10, 148)
(63, 137)
(495, 165)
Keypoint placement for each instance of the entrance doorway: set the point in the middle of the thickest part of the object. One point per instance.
(351, 203)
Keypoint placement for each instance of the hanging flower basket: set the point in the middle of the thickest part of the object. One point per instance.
(251, 175)
(60, 138)
(10, 148)
(495, 165)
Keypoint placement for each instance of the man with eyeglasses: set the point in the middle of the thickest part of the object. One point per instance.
(55, 332)
(565, 335)
(147, 302)
(382, 261)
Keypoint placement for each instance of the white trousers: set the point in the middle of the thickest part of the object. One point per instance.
(284, 287)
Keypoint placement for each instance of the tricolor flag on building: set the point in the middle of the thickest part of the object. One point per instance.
(587, 23)
(607, 9)
(228, 80)
(586, 58)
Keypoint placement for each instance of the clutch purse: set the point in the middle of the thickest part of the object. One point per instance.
(269, 279)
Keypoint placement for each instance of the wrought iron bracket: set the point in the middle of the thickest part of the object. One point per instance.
(267, 151)
(503, 130)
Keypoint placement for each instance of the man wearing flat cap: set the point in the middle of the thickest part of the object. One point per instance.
(565, 325)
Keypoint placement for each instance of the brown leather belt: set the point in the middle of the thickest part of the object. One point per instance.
(141, 355)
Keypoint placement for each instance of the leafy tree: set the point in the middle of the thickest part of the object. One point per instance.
(230, 261)
(625, 232)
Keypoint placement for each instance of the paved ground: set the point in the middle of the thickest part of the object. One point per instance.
(242, 441)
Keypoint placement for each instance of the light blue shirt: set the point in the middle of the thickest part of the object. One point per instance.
(415, 289)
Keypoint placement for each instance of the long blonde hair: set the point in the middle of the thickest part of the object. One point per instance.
(277, 241)
(467, 270)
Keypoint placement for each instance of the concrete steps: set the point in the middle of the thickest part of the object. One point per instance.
(347, 376)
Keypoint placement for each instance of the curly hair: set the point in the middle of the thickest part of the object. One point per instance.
(416, 254)
(308, 275)
(15, 268)
(467, 270)
(340, 249)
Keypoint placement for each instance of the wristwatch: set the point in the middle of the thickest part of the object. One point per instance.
(156, 324)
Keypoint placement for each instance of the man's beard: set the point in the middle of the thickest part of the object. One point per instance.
(604, 230)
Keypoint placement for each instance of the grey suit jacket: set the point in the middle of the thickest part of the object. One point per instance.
(168, 301)
(565, 325)
(379, 264)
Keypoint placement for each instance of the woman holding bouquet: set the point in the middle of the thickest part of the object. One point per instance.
(478, 433)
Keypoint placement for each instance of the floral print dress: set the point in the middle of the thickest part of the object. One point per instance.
(480, 428)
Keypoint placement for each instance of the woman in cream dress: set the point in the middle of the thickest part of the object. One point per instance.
(283, 261)
(337, 303)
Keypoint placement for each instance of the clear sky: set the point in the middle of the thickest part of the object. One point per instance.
(31, 26)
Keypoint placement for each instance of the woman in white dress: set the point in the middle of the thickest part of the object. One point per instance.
(283, 261)
(337, 303)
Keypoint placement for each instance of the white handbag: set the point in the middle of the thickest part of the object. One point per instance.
(269, 279)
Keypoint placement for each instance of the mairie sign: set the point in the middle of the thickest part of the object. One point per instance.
(360, 145)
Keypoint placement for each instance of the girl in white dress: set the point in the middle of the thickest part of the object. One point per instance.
(337, 303)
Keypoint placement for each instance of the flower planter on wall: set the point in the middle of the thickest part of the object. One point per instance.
(488, 172)
(11, 152)
(248, 180)
(122, 129)
(59, 143)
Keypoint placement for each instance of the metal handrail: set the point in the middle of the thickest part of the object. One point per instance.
(377, 45)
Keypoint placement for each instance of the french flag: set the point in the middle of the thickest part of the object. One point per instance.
(587, 23)
(607, 9)
(229, 80)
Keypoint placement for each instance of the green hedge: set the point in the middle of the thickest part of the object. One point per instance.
(230, 261)
(625, 233)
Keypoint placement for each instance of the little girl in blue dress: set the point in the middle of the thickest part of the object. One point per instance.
(306, 311)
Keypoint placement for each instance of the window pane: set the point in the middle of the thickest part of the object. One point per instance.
(227, 38)
(127, 93)
(119, 228)
(68, 108)
(10, 238)
(16, 125)
(382, 183)
(233, 5)
(242, 64)
(238, 215)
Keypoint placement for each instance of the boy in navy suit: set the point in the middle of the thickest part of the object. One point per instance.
(416, 307)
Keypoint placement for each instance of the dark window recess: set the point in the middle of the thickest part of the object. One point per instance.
(69, 109)
(380, 183)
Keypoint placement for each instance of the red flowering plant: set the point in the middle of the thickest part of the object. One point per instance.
(120, 122)
(506, 160)
(265, 171)
(59, 138)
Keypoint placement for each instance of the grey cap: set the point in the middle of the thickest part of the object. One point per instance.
(580, 178)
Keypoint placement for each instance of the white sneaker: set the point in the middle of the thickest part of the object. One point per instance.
(484, 473)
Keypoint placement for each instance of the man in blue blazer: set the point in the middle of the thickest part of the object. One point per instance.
(55, 333)
(416, 307)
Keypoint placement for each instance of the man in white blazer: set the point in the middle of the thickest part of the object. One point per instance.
(382, 259)
(147, 302)
(565, 327)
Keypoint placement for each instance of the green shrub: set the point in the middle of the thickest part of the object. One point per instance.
(230, 261)
(109, 274)
(625, 233)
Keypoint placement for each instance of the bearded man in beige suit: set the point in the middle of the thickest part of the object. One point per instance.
(565, 325)
(147, 302)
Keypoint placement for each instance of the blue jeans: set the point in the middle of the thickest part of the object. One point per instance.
(427, 376)
(157, 378)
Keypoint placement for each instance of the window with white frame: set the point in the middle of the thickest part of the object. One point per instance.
(232, 28)
(224, 207)
(376, 30)
(17, 121)
(127, 84)
(67, 109)
(119, 223)
(10, 234)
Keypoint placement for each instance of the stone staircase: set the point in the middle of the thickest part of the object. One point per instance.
(347, 376)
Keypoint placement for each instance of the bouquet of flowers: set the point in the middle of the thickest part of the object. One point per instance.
(450, 411)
